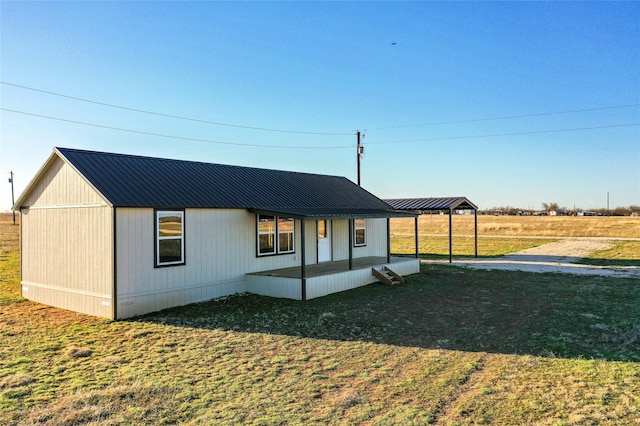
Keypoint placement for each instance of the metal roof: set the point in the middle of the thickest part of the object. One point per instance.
(136, 181)
(430, 204)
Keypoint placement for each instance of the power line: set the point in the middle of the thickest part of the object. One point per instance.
(173, 136)
(177, 117)
(320, 147)
(506, 117)
(495, 135)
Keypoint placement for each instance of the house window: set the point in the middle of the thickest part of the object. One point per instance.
(275, 235)
(285, 235)
(169, 237)
(359, 232)
(266, 235)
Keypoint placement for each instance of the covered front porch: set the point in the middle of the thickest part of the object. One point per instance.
(325, 278)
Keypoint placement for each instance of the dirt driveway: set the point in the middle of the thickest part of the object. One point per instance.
(558, 256)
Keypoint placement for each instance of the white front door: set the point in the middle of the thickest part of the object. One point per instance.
(324, 240)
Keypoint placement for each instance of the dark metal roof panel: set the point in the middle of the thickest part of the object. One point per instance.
(135, 181)
(441, 203)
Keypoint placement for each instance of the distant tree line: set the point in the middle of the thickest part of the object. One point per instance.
(556, 210)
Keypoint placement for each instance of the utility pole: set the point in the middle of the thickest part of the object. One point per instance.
(359, 152)
(12, 199)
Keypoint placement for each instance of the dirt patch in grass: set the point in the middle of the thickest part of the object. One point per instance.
(572, 256)
(16, 380)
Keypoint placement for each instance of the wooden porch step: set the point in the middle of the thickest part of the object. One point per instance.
(386, 275)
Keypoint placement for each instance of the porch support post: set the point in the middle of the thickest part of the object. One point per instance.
(416, 232)
(350, 244)
(303, 266)
(388, 240)
(450, 236)
(475, 223)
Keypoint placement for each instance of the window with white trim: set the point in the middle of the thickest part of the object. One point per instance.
(169, 237)
(276, 235)
(266, 235)
(359, 232)
(285, 235)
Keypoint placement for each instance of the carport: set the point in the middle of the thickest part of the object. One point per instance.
(449, 204)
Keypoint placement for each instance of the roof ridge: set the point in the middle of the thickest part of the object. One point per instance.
(175, 160)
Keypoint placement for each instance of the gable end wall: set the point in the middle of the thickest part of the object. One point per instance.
(67, 244)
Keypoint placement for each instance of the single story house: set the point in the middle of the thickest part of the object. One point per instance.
(117, 235)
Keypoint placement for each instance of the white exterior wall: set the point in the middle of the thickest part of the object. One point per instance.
(311, 240)
(61, 185)
(376, 239)
(66, 244)
(291, 288)
(286, 288)
(334, 283)
(220, 249)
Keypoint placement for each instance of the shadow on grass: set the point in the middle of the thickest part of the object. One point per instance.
(608, 262)
(433, 256)
(446, 307)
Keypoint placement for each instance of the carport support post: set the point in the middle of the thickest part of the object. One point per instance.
(303, 266)
(450, 236)
(388, 240)
(416, 232)
(475, 223)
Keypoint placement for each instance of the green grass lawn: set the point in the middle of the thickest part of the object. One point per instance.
(435, 247)
(451, 346)
(623, 253)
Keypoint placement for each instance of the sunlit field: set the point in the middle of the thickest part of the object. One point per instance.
(530, 226)
(500, 235)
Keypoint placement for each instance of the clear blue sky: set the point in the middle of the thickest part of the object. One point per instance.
(398, 70)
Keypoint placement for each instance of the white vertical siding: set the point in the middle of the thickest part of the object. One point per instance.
(290, 288)
(220, 249)
(286, 288)
(340, 239)
(67, 258)
(311, 240)
(376, 239)
(67, 243)
(61, 185)
(328, 284)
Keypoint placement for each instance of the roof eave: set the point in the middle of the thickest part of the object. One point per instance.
(333, 214)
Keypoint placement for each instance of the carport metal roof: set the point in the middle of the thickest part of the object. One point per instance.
(432, 204)
(421, 205)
